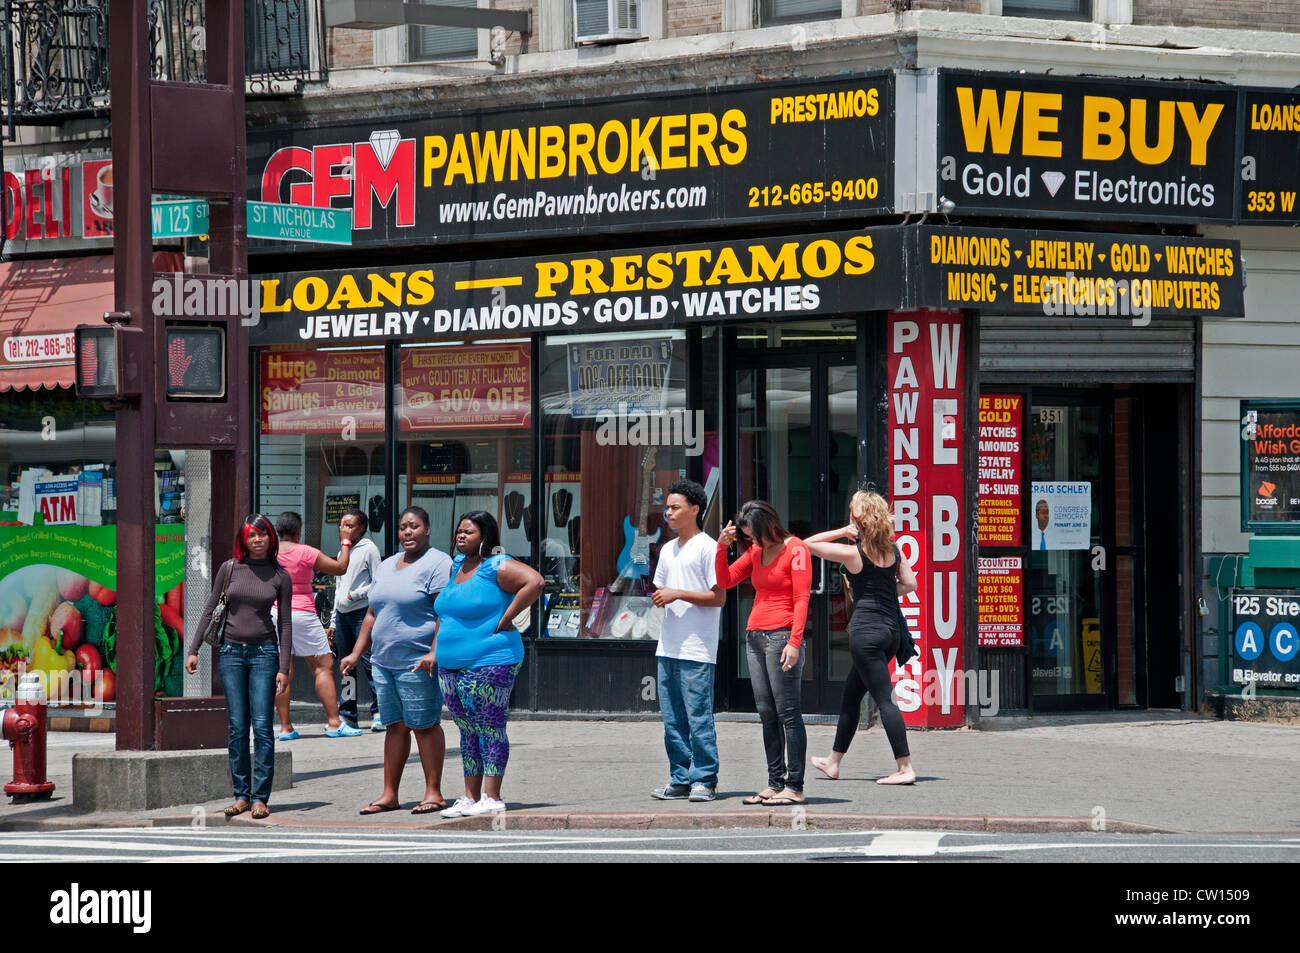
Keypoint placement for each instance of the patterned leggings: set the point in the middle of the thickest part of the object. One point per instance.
(478, 699)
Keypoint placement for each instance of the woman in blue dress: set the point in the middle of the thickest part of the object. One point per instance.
(478, 652)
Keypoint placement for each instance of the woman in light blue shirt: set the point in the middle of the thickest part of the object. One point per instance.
(403, 624)
(478, 653)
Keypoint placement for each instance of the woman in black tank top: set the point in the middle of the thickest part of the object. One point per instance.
(877, 575)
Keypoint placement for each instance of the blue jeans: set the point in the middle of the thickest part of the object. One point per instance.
(345, 640)
(686, 700)
(776, 696)
(248, 679)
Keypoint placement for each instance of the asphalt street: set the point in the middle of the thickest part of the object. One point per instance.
(232, 845)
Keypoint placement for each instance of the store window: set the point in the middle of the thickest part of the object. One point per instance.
(795, 11)
(58, 548)
(618, 433)
(464, 419)
(445, 42)
(1049, 9)
(321, 443)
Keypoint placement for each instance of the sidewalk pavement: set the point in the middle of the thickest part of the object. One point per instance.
(1140, 772)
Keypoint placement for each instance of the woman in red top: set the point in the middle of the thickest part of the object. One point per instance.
(781, 572)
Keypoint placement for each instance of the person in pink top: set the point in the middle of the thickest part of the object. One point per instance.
(309, 640)
(780, 569)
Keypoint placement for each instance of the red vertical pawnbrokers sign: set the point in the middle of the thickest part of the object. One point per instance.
(927, 418)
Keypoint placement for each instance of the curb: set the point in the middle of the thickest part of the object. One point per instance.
(634, 820)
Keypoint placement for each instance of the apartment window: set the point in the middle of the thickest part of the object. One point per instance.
(445, 42)
(1049, 9)
(794, 11)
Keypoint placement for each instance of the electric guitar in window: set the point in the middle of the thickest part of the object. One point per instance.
(634, 561)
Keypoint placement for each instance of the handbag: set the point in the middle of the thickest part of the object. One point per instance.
(215, 633)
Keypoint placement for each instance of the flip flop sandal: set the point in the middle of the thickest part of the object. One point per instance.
(261, 812)
(781, 801)
(434, 806)
(754, 799)
(234, 810)
(376, 808)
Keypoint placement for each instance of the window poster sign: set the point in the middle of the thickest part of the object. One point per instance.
(466, 388)
(619, 378)
(1001, 458)
(1001, 600)
(1060, 515)
(797, 150)
(926, 423)
(325, 392)
(1270, 466)
(1264, 624)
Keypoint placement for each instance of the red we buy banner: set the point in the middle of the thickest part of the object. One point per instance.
(926, 422)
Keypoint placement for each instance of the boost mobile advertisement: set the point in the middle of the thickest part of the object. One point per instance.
(1270, 466)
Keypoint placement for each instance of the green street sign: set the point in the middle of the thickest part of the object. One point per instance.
(281, 223)
(178, 219)
(299, 223)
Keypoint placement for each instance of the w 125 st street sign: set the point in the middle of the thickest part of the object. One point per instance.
(269, 220)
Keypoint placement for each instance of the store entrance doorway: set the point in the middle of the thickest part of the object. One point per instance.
(794, 413)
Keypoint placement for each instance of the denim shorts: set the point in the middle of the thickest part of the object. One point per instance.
(411, 697)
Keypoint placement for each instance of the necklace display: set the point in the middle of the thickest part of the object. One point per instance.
(561, 503)
(514, 505)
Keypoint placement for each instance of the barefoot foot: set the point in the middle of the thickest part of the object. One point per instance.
(899, 777)
(827, 767)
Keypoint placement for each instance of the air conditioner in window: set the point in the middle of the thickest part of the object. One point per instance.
(606, 21)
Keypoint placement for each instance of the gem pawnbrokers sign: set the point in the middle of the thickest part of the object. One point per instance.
(296, 223)
(805, 150)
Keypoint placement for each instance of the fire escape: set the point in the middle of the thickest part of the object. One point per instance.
(54, 62)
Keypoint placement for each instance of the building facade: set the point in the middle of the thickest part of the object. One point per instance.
(788, 250)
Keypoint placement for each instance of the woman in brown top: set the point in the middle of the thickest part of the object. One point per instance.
(253, 658)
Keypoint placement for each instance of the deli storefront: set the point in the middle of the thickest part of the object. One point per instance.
(793, 349)
(58, 508)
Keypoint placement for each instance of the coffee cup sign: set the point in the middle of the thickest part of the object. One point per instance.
(97, 198)
(103, 194)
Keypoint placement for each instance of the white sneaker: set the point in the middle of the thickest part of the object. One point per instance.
(460, 809)
(486, 806)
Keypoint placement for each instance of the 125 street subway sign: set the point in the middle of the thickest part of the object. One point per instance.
(792, 150)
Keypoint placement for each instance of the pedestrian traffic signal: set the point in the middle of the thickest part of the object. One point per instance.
(196, 362)
(108, 361)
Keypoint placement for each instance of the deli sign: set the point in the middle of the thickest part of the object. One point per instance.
(1088, 148)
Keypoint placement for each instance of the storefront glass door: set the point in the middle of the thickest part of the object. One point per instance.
(796, 427)
(1069, 631)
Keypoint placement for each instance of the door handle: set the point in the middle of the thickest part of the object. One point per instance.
(821, 585)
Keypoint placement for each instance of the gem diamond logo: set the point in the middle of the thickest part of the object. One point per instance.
(384, 142)
(1053, 181)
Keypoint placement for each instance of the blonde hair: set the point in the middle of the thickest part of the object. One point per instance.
(875, 521)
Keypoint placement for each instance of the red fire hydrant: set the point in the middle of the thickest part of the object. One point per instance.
(24, 729)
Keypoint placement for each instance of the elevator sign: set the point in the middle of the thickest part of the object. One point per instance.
(1086, 148)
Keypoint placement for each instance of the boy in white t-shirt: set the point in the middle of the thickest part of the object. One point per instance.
(687, 589)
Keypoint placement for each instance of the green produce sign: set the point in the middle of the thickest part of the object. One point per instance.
(58, 607)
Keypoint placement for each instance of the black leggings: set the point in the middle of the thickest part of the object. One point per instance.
(872, 643)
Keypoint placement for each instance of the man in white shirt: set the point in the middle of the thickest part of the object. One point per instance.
(351, 600)
(687, 589)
